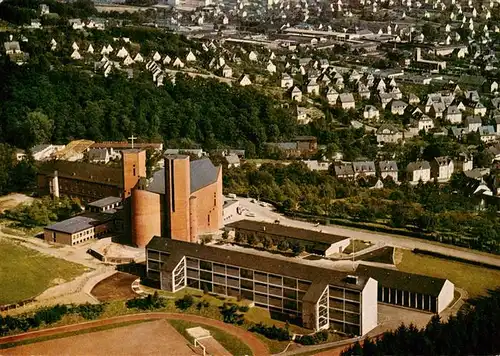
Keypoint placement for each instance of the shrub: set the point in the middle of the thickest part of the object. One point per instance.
(150, 302)
(317, 338)
(230, 314)
(243, 308)
(271, 332)
(185, 302)
(89, 311)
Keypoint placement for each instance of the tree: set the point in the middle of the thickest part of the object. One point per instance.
(37, 128)
(185, 302)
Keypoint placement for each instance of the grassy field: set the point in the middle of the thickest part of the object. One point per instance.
(25, 273)
(474, 279)
(232, 344)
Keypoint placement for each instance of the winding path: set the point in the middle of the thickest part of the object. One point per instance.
(258, 347)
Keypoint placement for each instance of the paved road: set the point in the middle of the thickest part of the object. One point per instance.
(257, 346)
(266, 214)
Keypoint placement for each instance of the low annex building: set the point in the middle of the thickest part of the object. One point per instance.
(320, 297)
(314, 241)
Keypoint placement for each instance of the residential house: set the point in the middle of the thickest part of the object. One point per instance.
(385, 98)
(12, 47)
(472, 95)
(418, 171)
(245, 80)
(388, 169)
(286, 81)
(487, 133)
(453, 115)
(442, 168)
(76, 24)
(332, 95)
(364, 169)
(296, 94)
(312, 87)
(302, 117)
(423, 122)
(45, 151)
(76, 55)
(227, 72)
(178, 63)
(396, 93)
(389, 134)
(190, 57)
(437, 110)
(253, 56)
(479, 109)
(413, 99)
(232, 160)
(347, 101)
(371, 112)
(315, 165)
(344, 171)
(398, 107)
(463, 162)
(363, 91)
(271, 67)
(473, 123)
(493, 87)
(459, 132)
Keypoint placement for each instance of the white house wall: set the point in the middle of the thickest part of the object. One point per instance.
(446, 296)
(369, 306)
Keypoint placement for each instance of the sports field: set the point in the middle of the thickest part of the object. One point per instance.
(25, 273)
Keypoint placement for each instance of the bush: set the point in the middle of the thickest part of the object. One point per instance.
(230, 314)
(243, 308)
(149, 303)
(89, 311)
(271, 332)
(185, 302)
(317, 338)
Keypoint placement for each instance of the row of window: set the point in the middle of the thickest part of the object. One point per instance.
(263, 299)
(343, 293)
(343, 316)
(76, 242)
(83, 233)
(248, 274)
(407, 299)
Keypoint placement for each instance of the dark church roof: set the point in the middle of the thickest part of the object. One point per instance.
(202, 173)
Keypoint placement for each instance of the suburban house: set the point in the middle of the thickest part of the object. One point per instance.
(286, 81)
(388, 169)
(245, 80)
(332, 95)
(463, 162)
(371, 112)
(418, 171)
(347, 101)
(364, 168)
(344, 171)
(98, 155)
(479, 109)
(232, 160)
(453, 115)
(302, 117)
(473, 123)
(312, 87)
(487, 133)
(296, 94)
(442, 168)
(315, 165)
(398, 107)
(227, 72)
(389, 134)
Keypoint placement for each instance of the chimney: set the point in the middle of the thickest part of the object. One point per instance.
(352, 279)
(55, 185)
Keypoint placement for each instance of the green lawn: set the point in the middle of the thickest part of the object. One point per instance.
(231, 343)
(25, 273)
(474, 279)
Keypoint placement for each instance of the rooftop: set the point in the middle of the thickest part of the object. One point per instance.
(179, 249)
(286, 231)
(79, 223)
(83, 171)
(101, 203)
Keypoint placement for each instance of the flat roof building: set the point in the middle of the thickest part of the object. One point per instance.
(314, 241)
(322, 298)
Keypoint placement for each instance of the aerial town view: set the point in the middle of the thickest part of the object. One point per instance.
(249, 177)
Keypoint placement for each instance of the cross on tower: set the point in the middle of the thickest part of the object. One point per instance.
(132, 138)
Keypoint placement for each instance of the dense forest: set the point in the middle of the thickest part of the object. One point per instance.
(442, 212)
(60, 105)
(473, 331)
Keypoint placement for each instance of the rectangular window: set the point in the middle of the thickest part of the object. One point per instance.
(246, 294)
(289, 304)
(262, 277)
(233, 292)
(192, 262)
(275, 291)
(277, 302)
(208, 219)
(219, 289)
(232, 271)
(274, 279)
(193, 283)
(172, 185)
(261, 298)
(289, 293)
(245, 273)
(352, 307)
(290, 282)
(206, 275)
(193, 273)
(154, 265)
(304, 286)
(219, 279)
(246, 284)
(234, 282)
(206, 265)
(260, 287)
(206, 286)
(219, 268)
